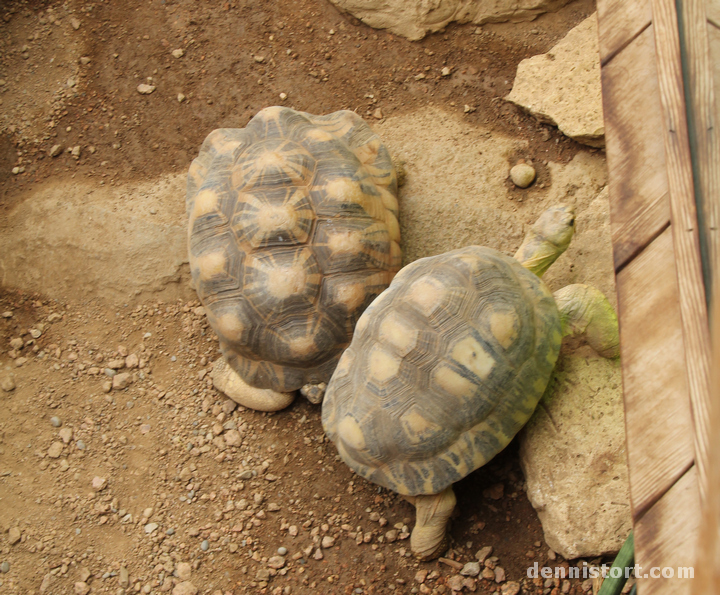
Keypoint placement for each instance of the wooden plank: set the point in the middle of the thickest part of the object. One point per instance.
(666, 538)
(686, 243)
(712, 190)
(619, 22)
(713, 12)
(658, 421)
(639, 209)
(708, 560)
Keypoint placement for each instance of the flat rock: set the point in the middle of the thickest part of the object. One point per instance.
(415, 18)
(121, 381)
(183, 571)
(228, 382)
(8, 383)
(14, 535)
(572, 452)
(185, 588)
(562, 87)
(55, 450)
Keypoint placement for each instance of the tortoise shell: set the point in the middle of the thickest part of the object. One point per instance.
(293, 231)
(444, 369)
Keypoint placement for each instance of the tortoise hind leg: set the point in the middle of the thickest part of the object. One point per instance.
(429, 536)
(586, 311)
(229, 382)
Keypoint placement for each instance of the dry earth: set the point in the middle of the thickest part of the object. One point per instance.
(158, 484)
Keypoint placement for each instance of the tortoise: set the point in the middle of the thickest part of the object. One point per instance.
(293, 231)
(450, 361)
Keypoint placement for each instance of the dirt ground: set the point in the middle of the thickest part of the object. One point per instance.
(162, 484)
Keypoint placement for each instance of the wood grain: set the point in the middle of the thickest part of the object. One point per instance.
(639, 209)
(712, 190)
(693, 307)
(665, 537)
(658, 420)
(619, 22)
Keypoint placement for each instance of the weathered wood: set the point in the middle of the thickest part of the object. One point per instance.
(658, 421)
(712, 9)
(708, 561)
(666, 538)
(693, 307)
(711, 192)
(639, 209)
(619, 22)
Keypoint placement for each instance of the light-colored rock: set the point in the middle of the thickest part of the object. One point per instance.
(414, 18)
(14, 535)
(573, 454)
(232, 438)
(55, 450)
(183, 571)
(227, 381)
(81, 588)
(145, 89)
(99, 483)
(66, 435)
(562, 87)
(8, 383)
(185, 588)
(144, 253)
(121, 381)
(522, 175)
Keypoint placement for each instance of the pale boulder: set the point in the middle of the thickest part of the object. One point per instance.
(572, 452)
(415, 18)
(562, 87)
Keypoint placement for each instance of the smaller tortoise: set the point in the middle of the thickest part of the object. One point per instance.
(293, 231)
(450, 361)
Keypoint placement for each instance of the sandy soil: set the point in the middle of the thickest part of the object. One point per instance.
(162, 484)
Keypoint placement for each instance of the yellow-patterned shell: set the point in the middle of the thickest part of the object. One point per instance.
(292, 233)
(444, 369)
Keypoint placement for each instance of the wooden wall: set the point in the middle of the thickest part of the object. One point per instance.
(662, 151)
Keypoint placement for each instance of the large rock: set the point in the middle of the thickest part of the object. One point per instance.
(562, 87)
(573, 455)
(414, 18)
(76, 239)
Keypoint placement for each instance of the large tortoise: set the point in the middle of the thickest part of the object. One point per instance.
(450, 361)
(293, 231)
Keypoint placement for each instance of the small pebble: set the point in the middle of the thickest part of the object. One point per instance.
(55, 421)
(522, 175)
(179, 53)
(5, 567)
(170, 531)
(81, 445)
(205, 545)
(145, 89)
(282, 551)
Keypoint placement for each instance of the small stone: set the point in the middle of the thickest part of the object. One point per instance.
(445, 71)
(55, 421)
(85, 574)
(178, 53)
(56, 150)
(471, 569)
(150, 528)
(107, 386)
(75, 151)
(99, 483)
(84, 60)
(276, 562)
(232, 438)
(482, 554)
(132, 361)
(66, 435)
(282, 550)
(7, 314)
(318, 555)
(499, 574)
(14, 535)
(16, 343)
(75, 23)
(259, 59)
(391, 535)
(35, 333)
(420, 576)
(522, 175)
(488, 574)
(377, 114)
(5, 567)
(283, 96)
(145, 89)
(293, 531)
(46, 582)
(205, 545)
(8, 383)
(148, 512)
(121, 381)
(81, 588)
(80, 445)
(328, 542)
(510, 588)
(180, 97)
(185, 588)
(455, 583)
(183, 571)
(123, 577)
(55, 450)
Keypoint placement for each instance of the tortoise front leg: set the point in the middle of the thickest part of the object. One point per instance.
(429, 536)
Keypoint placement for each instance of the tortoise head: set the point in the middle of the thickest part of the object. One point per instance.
(547, 239)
